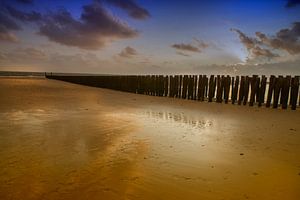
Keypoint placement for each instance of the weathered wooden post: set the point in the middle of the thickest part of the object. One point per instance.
(219, 89)
(172, 84)
(200, 85)
(184, 87)
(277, 89)
(195, 87)
(241, 92)
(262, 90)
(294, 92)
(270, 90)
(166, 85)
(246, 90)
(235, 89)
(190, 87)
(205, 86)
(285, 92)
(226, 88)
(254, 84)
(212, 85)
(180, 87)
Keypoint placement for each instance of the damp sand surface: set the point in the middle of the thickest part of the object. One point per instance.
(65, 141)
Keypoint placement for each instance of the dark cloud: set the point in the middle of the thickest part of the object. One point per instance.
(132, 8)
(7, 25)
(23, 16)
(94, 29)
(258, 51)
(285, 39)
(128, 52)
(292, 3)
(197, 46)
(253, 47)
(186, 47)
(248, 42)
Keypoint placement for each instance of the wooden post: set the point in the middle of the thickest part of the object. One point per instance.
(184, 87)
(294, 92)
(285, 91)
(192, 86)
(200, 83)
(176, 84)
(162, 85)
(195, 87)
(171, 86)
(262, 90)
(205, 86)
(166, 85)
(232, 89)
(219, 89)
(212, 85)
(277, 89)
(226, 88)
(270, 90)
(180, 87)
(254, 83)
(235, 90)
(190, 90)
(246, 90)
(241, 92)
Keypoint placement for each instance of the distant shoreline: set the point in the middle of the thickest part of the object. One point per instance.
(20, 74)
(42, 74)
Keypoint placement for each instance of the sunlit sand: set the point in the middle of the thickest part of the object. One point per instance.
(64, 141)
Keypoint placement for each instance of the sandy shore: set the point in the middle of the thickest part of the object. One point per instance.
(65, 141)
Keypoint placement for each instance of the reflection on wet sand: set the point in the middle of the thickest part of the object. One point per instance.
(179, 118)
(67, 141)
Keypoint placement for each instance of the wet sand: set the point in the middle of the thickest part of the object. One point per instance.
(65, 141)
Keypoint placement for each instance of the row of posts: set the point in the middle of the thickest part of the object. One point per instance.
(242, 90)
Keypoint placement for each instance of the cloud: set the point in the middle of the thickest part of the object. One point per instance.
(197, 47)
(285, 42)
(282, 45)
(8, 37)
(248, 42)
(292, 3)
(7, 22)
(186, 47)
(258, 51)
(95, 28)
(93, 31)
(24, 55)
(128, 52)
(23, 16)
(132, 8)
(6, 26)
(285, 39)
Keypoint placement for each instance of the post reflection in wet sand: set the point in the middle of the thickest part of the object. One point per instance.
(66, 141)
(179, 118)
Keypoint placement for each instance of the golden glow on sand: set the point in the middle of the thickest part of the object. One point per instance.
(66, 141)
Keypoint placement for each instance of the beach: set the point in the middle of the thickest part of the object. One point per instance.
(65, 141)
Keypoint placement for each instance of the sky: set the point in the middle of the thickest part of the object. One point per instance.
(151, 37)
